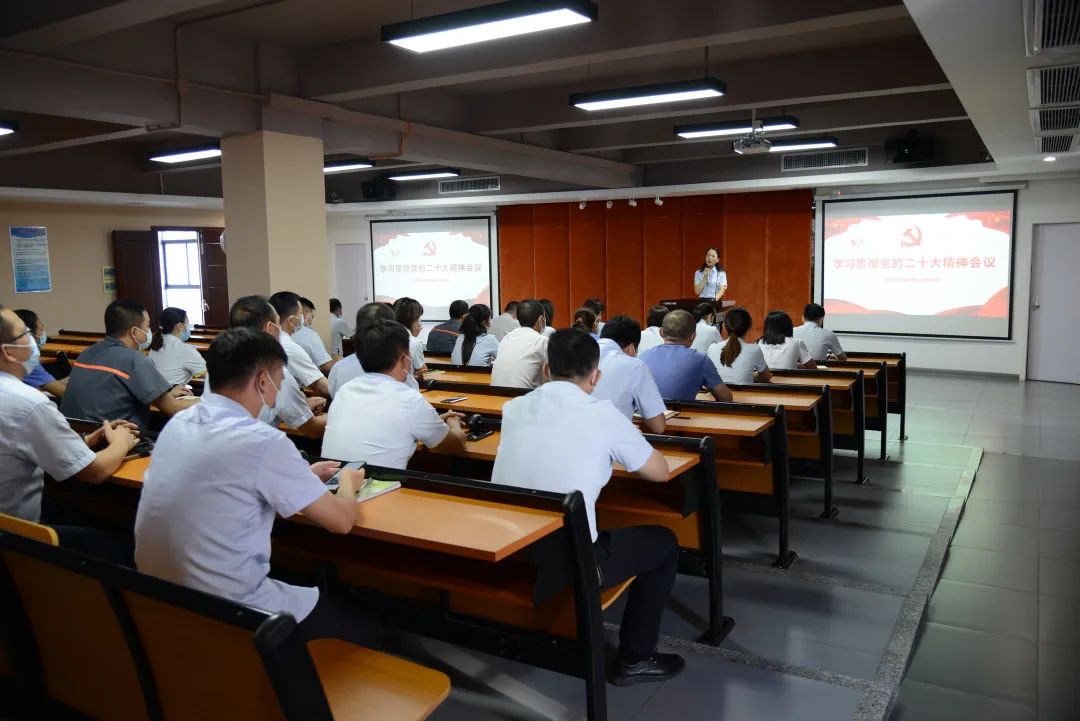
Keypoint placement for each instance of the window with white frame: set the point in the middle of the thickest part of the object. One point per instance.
(181, 272)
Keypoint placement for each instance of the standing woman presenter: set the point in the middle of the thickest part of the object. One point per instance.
(710, 280)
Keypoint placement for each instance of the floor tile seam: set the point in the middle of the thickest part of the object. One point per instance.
(982, 630)
(795, 573)
(967, 692)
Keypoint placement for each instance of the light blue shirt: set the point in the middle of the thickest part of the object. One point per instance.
(348, 368)
(680, 372)
(483, 353)
(713, 281)
(627, 382)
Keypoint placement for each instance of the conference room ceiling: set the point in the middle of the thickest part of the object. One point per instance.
(96, 81)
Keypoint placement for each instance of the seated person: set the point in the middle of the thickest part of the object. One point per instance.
(523, 352)
(176, 360)
(377, 417)
(113, 379)
(679, 371)
(506, 322)
(651, 337)
(442, 337)
(820, 342)
(309, 340)
(591, 435)
(301, 367)
(475, 346)
(737, 360)
(408, 312)
(586, 321)
(781, 350)
(349, 368)
(39, 377)
(339, 328)
(707, 334)
(217, 480)
(596, 306)
(549, 316)
(292, 407)
(625, 380)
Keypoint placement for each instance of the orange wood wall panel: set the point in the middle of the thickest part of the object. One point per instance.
(745, 237)
(515, 253)
(551, 259)
(663, 251)
(625, 260)
(588, 254)
(790, 253)
(703, 228)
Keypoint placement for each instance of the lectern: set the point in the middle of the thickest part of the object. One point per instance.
(688, 304)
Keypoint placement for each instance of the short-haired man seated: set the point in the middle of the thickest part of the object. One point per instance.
(680, 371)
(217, 479)
(113, 379)
(626, 381)
(523, 351)
(820, 341)
(590, 435)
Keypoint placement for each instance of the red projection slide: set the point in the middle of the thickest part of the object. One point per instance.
(934, 265)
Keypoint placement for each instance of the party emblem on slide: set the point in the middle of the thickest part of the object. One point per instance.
(429, 248)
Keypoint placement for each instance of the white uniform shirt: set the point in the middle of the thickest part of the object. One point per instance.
(483, 353)
(177, 362)
(521, 359)
(706, 336)
(35, 439)
(348, 368)
(300, 366)
(216, 479)
(416, 352)
(819, 341)
(627, 382)
(714, 279)
(290, 408)
(377, 419)
(339, 330)
(787, 356)
(548, 331)
(650, 338)
(749, 360)
(503, 325)
(312, 344)
(559, 438)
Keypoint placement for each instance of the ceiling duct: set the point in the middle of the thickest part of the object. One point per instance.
(470, 185)
(827, 159)
(1056, 120)
(1052, 26)
(1056, 143)
(1057, 85)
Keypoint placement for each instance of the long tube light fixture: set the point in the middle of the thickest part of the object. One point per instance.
(347, 166)
(735, 127)
(804, 144)
(431, 174)
(187, 155)
(7, 128)
(489, 22)
(650, 94)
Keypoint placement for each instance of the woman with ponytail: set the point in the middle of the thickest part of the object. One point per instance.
(475, 346)
(586, 320)
(176, 359)
(736, 360)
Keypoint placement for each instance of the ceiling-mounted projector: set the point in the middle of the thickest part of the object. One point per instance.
(752, 144)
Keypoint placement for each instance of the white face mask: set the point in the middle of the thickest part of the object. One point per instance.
(145, 344)
(35, 354)
(268, 409)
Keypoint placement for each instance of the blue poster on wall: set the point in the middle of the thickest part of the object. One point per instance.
(30, 259)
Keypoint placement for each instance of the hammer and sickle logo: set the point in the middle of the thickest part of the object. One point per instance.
(914, 235)
(429, 248)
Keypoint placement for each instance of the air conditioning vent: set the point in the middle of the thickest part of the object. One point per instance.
(847, 158)
(1052, 25)
(1055, 144)
(1059, 85)
(470, 185)
(1055, 120)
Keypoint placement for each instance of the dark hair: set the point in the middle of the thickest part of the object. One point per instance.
(167, 321)
(778, 328)
(407, 311)
(813, 312)
(237, 354)
(380, 345)
(678, 325)
(656, 315)
(529, 311)
(584, 319)
(30, 318)
(622, 329)
(704, 310)
(458, 308)
(365, 317)
(472, 328)
(595, 305)
(285, 302)
(549, 310)
(335, 305)
(306, 304)
(737, 321)
(511, 307)
(572, 354)
(122, 315)
(718, 266)
(253, 311)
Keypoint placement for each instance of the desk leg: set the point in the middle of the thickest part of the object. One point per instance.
(830, 511)
(712, 548)
(884, 432)
(903, 425)
(860, 475)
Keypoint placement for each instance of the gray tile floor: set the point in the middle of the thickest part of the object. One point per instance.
(1001, 636)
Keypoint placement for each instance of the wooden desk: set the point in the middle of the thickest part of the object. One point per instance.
(457, 376)
(895, 380)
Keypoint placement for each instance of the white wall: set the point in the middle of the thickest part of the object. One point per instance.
(1042, 201)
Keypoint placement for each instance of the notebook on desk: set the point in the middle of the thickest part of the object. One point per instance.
(668, 415)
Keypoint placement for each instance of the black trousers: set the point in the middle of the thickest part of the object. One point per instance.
(652, 554)
(341, 618)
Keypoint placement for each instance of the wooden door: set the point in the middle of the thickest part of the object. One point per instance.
(215, 283)
(138, 267)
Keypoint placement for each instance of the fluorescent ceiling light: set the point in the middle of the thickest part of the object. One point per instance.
(807, 144)
(186, 156)
(490, 22)
(650, 94)
(347, 166)
(7, 128)
(427, 174)
(736, 127)
(1049, 159)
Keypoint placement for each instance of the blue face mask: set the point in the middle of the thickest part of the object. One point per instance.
(185, 336)
(145, 344)
(42, 339)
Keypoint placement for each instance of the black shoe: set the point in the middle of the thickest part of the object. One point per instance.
(657, 667)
